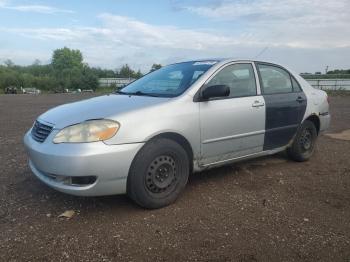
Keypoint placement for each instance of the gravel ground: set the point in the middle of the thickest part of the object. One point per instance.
(269, 209)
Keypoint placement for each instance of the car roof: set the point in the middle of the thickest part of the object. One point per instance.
(225, 60)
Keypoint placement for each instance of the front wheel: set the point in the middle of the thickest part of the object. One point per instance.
(304, 142)
(158, 173)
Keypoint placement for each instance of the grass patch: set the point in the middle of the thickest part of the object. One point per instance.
(338, 92)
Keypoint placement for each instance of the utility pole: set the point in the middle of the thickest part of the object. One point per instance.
(327, 69)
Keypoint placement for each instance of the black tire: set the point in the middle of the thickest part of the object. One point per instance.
(304, 142)
(158, 174)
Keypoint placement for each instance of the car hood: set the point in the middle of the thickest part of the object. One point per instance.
(108, 106)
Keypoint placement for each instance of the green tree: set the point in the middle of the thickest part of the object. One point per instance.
(48, 83)
(10, 78)
(138, 74)
(36, 62)
(339, 72)
(67, 65)
(26, 80)
(66, 70)
(155, 67)
(126, 72)
(9, 63)
(66, 58)
(89, 79)
(102, 73)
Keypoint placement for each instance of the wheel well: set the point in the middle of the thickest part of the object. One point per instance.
(315, 120)
(181, 140)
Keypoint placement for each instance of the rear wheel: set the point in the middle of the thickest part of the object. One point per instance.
(304, 143)
(158, 173)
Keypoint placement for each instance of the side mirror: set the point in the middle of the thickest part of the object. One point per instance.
(215, 91)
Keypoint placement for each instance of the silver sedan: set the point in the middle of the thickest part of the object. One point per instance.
(145, 139)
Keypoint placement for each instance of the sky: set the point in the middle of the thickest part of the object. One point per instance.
(304, 35)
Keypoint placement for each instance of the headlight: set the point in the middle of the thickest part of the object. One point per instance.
(88, 131)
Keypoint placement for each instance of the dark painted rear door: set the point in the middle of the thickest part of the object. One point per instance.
(285, 105)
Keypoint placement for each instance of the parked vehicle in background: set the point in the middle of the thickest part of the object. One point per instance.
(67, 91)
(58, 91)
(11, 90)
(147, 138)
(77, 91)
(31, 91)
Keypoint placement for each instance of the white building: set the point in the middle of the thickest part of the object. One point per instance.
(119, 82)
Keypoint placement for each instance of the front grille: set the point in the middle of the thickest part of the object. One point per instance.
(40, 131)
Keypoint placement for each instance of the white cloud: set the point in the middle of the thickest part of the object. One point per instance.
(43, 9)
(59, 34)
(125, 31)
(126, 40)
(121, 39)
(136, 33)
(25, 56)
(293, 23)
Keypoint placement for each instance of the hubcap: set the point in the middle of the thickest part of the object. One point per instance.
(161, 174)
(306, 140)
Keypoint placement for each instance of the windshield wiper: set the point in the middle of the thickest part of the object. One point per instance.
(121, 92)
(137, 93)
(140, 93)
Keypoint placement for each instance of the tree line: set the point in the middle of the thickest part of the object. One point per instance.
(339, 72)
(66, 71)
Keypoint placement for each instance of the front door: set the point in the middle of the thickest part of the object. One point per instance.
(285, 105)
(232, 126)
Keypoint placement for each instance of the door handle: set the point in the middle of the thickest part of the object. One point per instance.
(300, 99)
(258, 104)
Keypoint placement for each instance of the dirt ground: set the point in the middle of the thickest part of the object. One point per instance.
(269, 209)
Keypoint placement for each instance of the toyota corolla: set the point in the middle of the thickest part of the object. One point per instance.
(145, 139)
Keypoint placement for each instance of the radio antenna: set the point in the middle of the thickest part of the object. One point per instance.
(261, 52)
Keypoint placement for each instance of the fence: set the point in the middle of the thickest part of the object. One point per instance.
(330, 84)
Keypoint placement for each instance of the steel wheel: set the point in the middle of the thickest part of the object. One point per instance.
(158, 173)
(306, 140)
(161, 174)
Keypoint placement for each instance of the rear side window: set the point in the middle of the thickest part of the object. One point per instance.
(238, 77)
(296, 86)
(274, 80)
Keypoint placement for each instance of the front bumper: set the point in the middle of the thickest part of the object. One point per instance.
(109, 164)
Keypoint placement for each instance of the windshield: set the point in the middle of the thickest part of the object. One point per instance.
(169, 81)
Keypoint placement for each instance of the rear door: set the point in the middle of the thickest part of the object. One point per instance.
(285, 104)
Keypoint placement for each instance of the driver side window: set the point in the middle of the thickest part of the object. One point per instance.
(239, 78)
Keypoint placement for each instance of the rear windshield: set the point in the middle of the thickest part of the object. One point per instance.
(169, 81)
